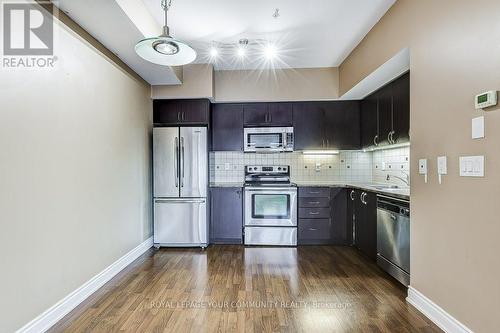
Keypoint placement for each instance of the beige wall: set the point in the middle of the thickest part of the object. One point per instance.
(74, 176)
(197, 82)
(280, 85)
(201, 81)
(455, 52)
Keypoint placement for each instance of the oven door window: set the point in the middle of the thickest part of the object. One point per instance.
(265, 140)
(271, 206)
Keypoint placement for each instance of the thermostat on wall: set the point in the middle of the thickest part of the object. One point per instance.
(486, 99)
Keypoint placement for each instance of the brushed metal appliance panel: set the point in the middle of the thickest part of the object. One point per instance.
(193, 162)
(275, 236)
(180, 222)
(253, 221)
(393, 238)
(165, 162)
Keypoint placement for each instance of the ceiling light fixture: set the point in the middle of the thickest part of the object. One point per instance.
(270, 51)
(214, 52)
(165, 50)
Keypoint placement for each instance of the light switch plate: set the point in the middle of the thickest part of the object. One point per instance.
(472, 166)
(442, 165)
(478, 127)
(422, 166)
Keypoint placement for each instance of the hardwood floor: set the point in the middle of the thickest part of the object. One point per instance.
(233, 288)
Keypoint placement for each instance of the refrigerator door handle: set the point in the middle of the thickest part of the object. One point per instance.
(182, 161)
(176, 160)
(200, 201)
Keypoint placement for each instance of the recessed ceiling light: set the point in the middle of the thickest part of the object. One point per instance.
(241, 52)
(165, 50)
(213, 52)
(270, 51)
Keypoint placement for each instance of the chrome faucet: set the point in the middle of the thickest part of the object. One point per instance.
(405, 180)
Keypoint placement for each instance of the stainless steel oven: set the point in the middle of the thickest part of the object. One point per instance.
(268, 139)
(270, 206)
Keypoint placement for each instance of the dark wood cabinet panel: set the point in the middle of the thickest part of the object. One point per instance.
(167, 112)
(369, 121)
(314, 202)
(323, 219)
(341, 228)
(384, 114)
(314, 192)
(227, 127)
(308, 125)
(401, 109)
(366, 223)
(314, 231)
(281, 114)
(256, 114)
(387, 111)
(195, 111)
(342, 125)
(314, 213)
(226, 215)
(181, 112)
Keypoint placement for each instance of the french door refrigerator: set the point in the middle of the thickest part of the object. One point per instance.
(180, 181)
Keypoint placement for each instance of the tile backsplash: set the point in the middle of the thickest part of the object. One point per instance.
(348, 166)
(392, 162)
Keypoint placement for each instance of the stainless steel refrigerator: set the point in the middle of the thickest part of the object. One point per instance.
(180, 181)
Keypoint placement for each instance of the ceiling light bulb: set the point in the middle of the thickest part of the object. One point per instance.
(241, 52)
(213, 52)
(270, 51)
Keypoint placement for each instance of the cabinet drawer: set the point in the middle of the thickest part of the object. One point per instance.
(314, 213)
(318, 229)
(314, 202)
(311, 192)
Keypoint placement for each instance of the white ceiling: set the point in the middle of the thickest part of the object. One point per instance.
(308, 33)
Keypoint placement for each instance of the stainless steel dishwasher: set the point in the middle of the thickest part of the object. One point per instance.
(393, 237)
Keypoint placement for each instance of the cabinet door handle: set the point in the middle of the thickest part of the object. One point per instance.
(313, 213)
(314, 202)
(327, 143)
(270, 117)
(389, 137)
(313, 192)
(182, 115)
(323, 143)
(375, 140)
(178, 116)
(352, 195)
(313, 229)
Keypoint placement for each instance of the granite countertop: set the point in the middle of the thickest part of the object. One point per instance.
(401, 192)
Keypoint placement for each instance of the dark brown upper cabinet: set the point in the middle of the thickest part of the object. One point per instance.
(369, 121)
(326, 125)
(308, 125)
(401, 109)
(227, 127)
(267, 114)
(385, 114)
(342, 127)
(181, 112)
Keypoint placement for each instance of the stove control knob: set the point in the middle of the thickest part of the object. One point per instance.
(279, 168)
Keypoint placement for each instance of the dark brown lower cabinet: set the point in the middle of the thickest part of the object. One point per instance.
(226, 215)
(322, 216)
(365, 215)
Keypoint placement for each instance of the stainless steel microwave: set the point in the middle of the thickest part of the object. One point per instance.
(268, 139)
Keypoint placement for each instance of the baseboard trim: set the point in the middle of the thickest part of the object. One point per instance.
(56, 312)
(435, 313)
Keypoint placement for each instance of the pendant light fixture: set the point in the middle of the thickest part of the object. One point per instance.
(165, 50)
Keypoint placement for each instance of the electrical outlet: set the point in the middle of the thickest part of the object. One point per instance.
(227, 166)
